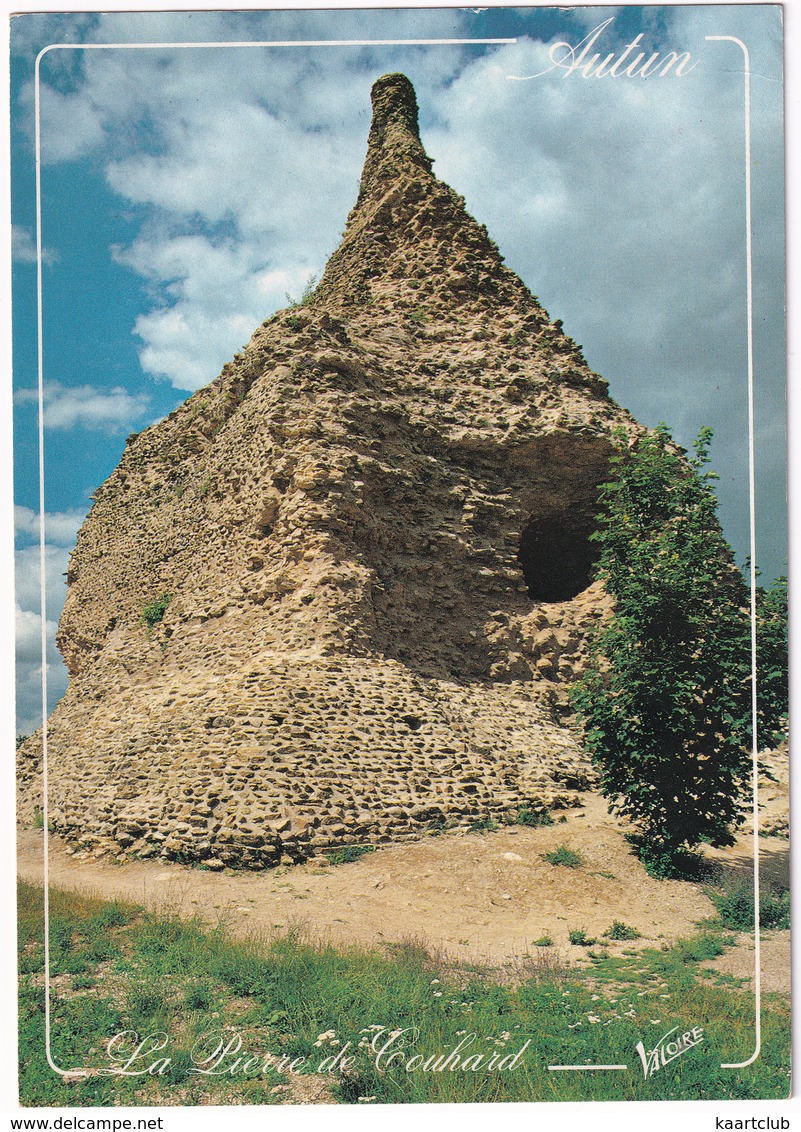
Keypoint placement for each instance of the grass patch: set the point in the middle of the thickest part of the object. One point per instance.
(301, 998)
(564, 856)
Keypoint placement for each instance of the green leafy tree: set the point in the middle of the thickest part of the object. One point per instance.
(772, 661)
(666, 700)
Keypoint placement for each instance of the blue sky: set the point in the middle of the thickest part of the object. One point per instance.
(186, 191)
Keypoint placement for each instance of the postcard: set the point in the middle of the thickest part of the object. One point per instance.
(399, 471)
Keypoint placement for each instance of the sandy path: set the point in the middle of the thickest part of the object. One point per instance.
(483, 897)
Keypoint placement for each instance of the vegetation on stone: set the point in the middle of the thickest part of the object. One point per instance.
(154, 611)
(306, 295)
(526, 816)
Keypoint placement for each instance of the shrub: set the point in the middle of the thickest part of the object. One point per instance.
(579, 938)
(772, 659)
(666, 700)
(564, 856)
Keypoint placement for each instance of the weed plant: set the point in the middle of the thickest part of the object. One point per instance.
(579, 938)
(619, 930)
(564, 856)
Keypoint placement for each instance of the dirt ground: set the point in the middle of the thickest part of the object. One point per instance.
(483, 897)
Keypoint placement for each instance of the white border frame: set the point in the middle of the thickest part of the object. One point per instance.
(751, 454)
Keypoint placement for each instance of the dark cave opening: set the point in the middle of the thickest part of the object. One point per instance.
(557, 556)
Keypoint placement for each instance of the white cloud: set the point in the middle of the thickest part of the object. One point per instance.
(23, 247)
(29, 670)
(27, 574)
(29, 632)
(262, 145)
(89, 406)
(61, 527)
(218, 295)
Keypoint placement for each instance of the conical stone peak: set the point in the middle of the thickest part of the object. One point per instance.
(409, 232)
(394, 104)
(394, 139)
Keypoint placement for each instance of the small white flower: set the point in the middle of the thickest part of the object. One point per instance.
(434, 982)
(437, 994)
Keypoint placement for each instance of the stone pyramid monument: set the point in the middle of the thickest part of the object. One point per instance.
(337, 596)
